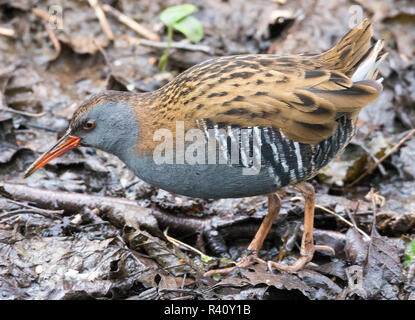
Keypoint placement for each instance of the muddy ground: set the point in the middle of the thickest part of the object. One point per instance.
(83, 243)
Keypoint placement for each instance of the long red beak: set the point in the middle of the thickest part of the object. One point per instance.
(64, 144)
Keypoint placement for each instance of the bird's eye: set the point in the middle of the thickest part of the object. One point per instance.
(89, 125)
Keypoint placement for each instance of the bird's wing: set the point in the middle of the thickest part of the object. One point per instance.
(302, 95)
(302, 99)
(304, 104)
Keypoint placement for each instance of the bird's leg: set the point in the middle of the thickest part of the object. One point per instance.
(274, 206)
(307, 242)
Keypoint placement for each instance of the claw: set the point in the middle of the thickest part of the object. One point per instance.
(324, 248)
(245, 262)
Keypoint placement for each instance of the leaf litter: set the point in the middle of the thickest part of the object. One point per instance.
(91, 243)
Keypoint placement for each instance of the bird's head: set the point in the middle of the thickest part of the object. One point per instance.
(105, 121)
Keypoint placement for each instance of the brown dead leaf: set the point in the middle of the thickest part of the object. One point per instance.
(312, 284)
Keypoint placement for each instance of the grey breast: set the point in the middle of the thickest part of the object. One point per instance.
(282, 162)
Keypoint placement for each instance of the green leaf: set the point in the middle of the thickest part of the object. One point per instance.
(175, 13)
(410, 254)
(163, 62)
(412, 247)
(216, 277)
(206, 259)
(164, 59)
(225, 260)
(191, 28)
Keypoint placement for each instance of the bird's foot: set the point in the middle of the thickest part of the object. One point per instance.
(301, 262)
(252, 258)
(245, 262)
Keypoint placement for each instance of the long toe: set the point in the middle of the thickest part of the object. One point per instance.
(245, 262)
(297, 266)
(301, 262)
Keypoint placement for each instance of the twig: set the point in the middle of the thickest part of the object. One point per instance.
(44, 213)
(23, 113)
(175, 45)
(371, 196)
(40, 127)
(7, 32)
(189, 291)
(49, 19)
(30, 210)
(391, 151)
(169, 257)
(183, 281)
(178, 243)
(117, 210)
(373, 157)
(356, 208)
(375, 196)
(104, 54)
(102, 19)
(338, 216)
(28, 206)
(74, 202)
(131, 23)
(354, 221)
(45, 16)
(54, 40)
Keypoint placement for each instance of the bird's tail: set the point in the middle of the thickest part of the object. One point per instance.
(354, 56)
(367, 69)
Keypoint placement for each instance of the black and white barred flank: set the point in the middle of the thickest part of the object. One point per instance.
(288, 162)
(292, 162)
